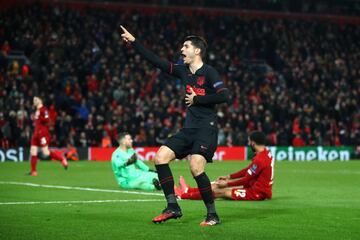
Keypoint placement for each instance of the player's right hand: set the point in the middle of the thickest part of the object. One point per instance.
(126, 36)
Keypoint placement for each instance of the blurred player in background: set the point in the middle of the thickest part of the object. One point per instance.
(251, 183)
(130, 172)
(41, 138)
(198, 138)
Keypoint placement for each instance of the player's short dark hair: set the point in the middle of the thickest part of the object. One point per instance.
(122, 135)
(198, 42)
(258, 137)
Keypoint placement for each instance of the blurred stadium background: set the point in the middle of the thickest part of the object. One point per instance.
(293, 68)
(294, 76)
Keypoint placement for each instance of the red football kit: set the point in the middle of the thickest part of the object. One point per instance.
(256, 180)
(41, 136)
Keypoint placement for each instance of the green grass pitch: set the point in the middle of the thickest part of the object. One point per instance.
(311, 200)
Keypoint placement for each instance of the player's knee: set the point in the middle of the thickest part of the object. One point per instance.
(33, 152)
(161, 159)
(164, 156)
(196, 170)
(43, 156)
(45, 151)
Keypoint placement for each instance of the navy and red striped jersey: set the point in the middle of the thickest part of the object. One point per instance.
(205, 82)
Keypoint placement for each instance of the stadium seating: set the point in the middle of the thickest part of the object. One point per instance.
(296, 80)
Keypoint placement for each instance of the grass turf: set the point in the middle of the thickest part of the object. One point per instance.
(311, 200)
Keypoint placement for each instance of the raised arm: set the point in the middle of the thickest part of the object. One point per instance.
(155, 60)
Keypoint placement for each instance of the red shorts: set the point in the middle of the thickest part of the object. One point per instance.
(40, 139)
(246, 194)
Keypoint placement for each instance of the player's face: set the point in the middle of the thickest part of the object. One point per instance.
(188, 52)
(128, 141)
(251, 144)
(36, 101)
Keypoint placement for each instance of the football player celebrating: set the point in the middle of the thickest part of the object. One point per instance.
(198, 137)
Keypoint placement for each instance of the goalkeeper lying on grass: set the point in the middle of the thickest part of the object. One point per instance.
(130, 172)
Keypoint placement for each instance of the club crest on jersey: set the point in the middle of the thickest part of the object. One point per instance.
(200, 80)
(253, 168)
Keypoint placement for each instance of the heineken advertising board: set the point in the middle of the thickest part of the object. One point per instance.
(318, 153)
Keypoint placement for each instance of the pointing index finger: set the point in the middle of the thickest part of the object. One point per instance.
(124, 29)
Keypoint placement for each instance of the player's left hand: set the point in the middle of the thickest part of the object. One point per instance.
(221, 183)
(189, 98)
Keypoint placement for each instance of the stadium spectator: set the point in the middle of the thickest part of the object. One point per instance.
(106, 140)
(281, 70)
(298, 141)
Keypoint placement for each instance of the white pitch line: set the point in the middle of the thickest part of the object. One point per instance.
(81, 188)
(74, 202)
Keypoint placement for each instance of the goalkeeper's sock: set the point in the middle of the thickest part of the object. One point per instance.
(204, 186)
(167, 184)
(33, 163)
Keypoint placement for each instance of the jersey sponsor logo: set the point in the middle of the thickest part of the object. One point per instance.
(200, 80)
(217, 84)
(198, 91)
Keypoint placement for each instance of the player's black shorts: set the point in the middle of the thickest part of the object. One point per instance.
(187, 141)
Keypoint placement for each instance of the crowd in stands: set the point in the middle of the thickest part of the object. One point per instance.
(333, 7)
(298, 81)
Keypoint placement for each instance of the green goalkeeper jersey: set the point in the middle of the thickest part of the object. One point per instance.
(122, 172)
